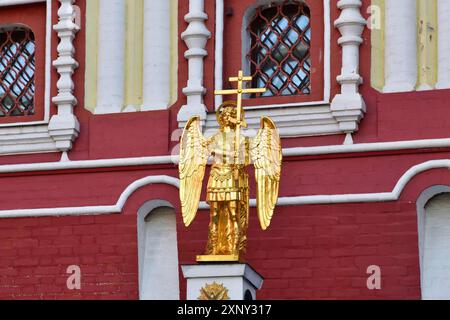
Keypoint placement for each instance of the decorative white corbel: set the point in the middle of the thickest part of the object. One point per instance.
(64, 126)
(348, 107)
(195, 36)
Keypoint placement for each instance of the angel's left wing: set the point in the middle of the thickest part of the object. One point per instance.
(193, 158)
(265, 151)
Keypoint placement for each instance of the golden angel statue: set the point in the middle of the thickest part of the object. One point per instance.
(227, 191)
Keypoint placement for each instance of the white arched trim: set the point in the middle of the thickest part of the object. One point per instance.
(66, 164)
(282, 201)
(92, 210)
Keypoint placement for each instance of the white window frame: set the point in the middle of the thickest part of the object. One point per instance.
(340, 116)
(246, 43)
(307, 118)
(56, 133)
(48, 63)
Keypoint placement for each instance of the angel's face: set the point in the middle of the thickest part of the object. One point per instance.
(228, 118)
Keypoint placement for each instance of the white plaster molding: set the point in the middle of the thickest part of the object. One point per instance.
(443, 44)
(64, 127)
(195, 36)
(93, 210)
(401, 46)
(282, 201)
(368, 147)
(173, 159)
(349, 107)
(26, 139)
(292, 121)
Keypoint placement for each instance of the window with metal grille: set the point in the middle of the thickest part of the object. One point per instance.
(17, 68)
(279, 54)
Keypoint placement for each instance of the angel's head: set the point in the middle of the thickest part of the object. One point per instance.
(227, 115)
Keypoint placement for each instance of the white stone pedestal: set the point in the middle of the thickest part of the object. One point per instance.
(239, 281)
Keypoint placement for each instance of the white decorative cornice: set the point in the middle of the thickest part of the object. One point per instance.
(195, 36)
(117, 207)
(64, 126)
(348, 107)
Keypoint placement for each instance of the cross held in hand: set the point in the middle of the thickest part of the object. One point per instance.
(240, 79)
(239, 91)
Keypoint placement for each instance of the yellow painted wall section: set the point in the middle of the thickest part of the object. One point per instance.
(90, 82)
(377, 26)
(134, 53)
(427, 43)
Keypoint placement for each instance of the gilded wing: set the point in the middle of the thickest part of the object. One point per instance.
(265, 150)
(193, 159)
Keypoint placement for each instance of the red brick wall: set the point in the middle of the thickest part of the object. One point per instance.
(313, 251)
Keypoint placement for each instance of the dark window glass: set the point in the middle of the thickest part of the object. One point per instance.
(279, 53)
(17, 67)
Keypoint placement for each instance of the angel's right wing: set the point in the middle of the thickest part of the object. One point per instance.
(266, 154)
(193, 159)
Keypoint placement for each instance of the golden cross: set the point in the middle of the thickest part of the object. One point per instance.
(240, 79)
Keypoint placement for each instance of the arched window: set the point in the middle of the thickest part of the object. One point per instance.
(17, 68)
(435, 269)
(158, 252)
(279, 55)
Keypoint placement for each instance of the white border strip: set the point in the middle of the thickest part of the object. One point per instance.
(282, 201)
(173, 159)
(368, 147)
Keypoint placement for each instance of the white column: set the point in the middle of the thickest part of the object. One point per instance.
(443, 44)
(111, 57)
(64, 127)
(196, 36)
(348, 107)
(400, 46)
(157, 54)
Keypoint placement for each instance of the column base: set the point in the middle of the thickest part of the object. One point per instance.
(221, 281)
(218, 258)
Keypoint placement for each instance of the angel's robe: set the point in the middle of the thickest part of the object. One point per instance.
(222, 183)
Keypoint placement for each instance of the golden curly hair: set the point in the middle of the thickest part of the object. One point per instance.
(229, 109)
